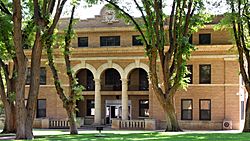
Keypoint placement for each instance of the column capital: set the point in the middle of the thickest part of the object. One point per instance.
(124, 81)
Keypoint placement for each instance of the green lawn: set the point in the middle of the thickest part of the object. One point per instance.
(147, 136)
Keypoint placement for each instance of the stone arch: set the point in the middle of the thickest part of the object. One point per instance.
(105, 66)
(132, 66)
(84, 66)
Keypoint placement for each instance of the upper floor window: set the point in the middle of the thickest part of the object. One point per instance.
(205, 74)
(42, 76)
(190, 75)
(110, 41)
(82, 41)
(204, 39)
(205, 109)
(143, 108)
(186, 109)
(41, 108)
(136, 41)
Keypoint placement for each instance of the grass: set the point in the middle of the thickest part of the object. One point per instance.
(140, 136)
(91, 135)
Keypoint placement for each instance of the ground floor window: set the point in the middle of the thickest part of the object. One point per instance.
(242, 110)
(90, 107)
(143, 108)
(186, 109)
(41, 108)
(205, 109)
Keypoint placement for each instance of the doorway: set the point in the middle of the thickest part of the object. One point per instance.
(114, 110)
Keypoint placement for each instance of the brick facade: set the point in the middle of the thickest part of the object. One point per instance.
(225, 91)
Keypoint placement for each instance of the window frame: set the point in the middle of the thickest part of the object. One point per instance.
(210, 74)
(27, 81)
(182, 109)
(83, 45)
(136, 41)
(205, 35)
(38, 109)
(200, 113)
(141, 106)
(92, 106)
(110, 41)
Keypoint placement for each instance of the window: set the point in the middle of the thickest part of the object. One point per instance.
(136, 41)
(42, 76)
(186, 109)
(204, 39)
(242, 110)
(90, 107)
(143, 108)
(41, 108)
(110, 41)
(205, 109)
(190, 75)
(82, 41)
(205, 74)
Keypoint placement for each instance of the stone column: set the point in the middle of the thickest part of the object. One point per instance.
(98, 118)
(124, 99)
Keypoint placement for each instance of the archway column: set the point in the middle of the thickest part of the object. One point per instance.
(125, 112)
(98, 118)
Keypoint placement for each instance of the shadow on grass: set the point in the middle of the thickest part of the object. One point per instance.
(150, 136)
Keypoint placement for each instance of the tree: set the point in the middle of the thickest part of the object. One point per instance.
(40, 19)
(186, 15)
(7, 78)
(239, 19)
(69, 101)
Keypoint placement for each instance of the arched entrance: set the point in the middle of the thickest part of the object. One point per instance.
(138, 80)
(86, 79)
(111, 80)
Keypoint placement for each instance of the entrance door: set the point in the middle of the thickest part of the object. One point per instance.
(114, 110)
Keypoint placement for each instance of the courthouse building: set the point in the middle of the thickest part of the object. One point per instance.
(109, 61)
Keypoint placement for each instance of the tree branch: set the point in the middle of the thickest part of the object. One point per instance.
(133, 20)
(4, 8)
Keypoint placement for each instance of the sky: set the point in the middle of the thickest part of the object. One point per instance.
(84, 12)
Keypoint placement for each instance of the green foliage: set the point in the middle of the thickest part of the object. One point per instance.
(152, 26)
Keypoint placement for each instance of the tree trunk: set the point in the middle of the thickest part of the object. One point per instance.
(34, 86)
(21, 71)
(10, 119)
(171, 118)
(72, 118)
